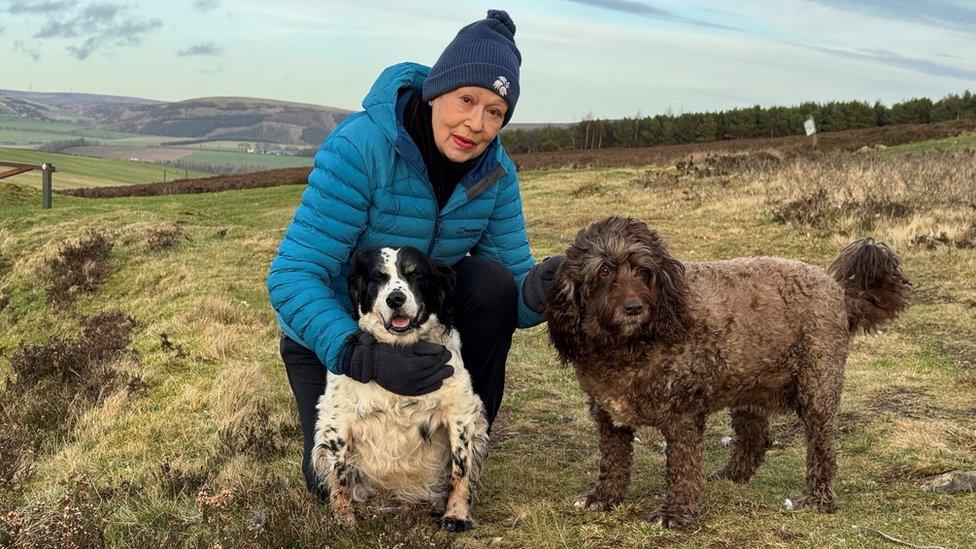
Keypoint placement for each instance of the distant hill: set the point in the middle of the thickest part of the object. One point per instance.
(21, 108)
(228, 118)
(211, 118)
(73, 107)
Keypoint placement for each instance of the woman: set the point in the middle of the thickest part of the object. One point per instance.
(422, 166)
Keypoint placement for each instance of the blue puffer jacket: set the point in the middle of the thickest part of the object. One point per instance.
(369, 187)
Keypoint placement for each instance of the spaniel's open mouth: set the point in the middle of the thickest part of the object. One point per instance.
(400, 324)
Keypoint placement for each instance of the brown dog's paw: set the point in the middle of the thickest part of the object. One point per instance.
(454, 524)
(671, 517)
(595, 501)
(825, 503)
(725, 474)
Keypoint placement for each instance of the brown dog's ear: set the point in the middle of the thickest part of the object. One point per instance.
(564, 314)
(672, 320)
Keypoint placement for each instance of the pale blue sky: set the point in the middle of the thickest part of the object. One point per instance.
(610, 58)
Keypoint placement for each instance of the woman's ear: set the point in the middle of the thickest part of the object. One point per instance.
(564, 313)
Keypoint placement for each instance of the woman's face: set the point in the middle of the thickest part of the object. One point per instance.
(466, 120)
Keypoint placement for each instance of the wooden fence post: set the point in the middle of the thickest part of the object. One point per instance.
(46, 171)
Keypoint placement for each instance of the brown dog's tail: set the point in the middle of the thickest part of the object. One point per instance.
(875, 288)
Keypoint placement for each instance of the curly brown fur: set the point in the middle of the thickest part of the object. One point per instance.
(660, 343)
(874, 286)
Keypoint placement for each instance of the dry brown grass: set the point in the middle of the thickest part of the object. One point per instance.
(209, 453)
(52, 385)
(926, 199)
(163, 238)
(78, 267)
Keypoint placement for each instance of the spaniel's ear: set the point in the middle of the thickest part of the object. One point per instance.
(672, 319)
(442, 281)
(358, 279)
(564, 313)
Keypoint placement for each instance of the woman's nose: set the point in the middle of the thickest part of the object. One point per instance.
(476, 121)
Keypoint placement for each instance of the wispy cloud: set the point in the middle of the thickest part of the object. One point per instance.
(892, 59)
(18, 7)
(941, 14)
(212, 70)
(206, 5)
(204, 49)
(21, 47)
(100, 26)
(645, 10)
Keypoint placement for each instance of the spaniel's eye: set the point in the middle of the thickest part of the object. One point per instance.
(605, 272)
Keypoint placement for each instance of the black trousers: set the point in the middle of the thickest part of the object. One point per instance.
(486, 315)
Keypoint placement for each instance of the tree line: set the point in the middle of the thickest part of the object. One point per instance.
(751, 122)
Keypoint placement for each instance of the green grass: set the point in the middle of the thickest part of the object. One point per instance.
(962, 141)
(82, 171)
(243, 159)
(208, 295)
(22, 131)
(232, 146)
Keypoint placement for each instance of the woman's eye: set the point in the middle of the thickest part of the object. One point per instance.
(466, 100)
(496, 113)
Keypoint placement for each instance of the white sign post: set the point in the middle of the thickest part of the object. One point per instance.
(811, 128)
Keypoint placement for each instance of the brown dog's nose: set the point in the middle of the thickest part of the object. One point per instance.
(633, 306)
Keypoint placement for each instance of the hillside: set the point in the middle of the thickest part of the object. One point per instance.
(146, 404)
(70, 106)
(211, 118)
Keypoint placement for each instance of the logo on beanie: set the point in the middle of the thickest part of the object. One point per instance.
(501, 85)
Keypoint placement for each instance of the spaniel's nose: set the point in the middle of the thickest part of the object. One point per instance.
(396, 299)
(633, 306)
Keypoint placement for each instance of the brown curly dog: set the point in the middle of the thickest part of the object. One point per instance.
(658, 342)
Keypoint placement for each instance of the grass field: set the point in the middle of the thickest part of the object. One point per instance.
(80, 171)
(964, 141)
(220, 155)
(243, 159)
(28, 132)
(204, 448)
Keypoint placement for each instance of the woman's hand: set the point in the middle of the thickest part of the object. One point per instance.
(408, 371)
(538, 283)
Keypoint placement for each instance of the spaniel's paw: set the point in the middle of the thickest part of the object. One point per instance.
(454, 524)
(345, 517)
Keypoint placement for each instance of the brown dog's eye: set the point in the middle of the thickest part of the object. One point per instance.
(605, 272)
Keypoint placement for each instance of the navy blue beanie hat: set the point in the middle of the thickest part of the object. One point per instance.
(482, 54)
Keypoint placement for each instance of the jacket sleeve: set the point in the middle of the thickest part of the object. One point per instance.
(323, 233)
(505, 240)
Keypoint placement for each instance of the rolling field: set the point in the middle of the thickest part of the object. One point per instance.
(252, 161)
(81, 172)
(179, 429)
(19, 132)
(218, 156)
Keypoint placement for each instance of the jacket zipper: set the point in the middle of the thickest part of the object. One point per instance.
(437, 231)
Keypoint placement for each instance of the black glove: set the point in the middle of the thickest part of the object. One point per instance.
(539, 282)
(408, 371)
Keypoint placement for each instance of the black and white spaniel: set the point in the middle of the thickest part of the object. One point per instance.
(369, 440)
